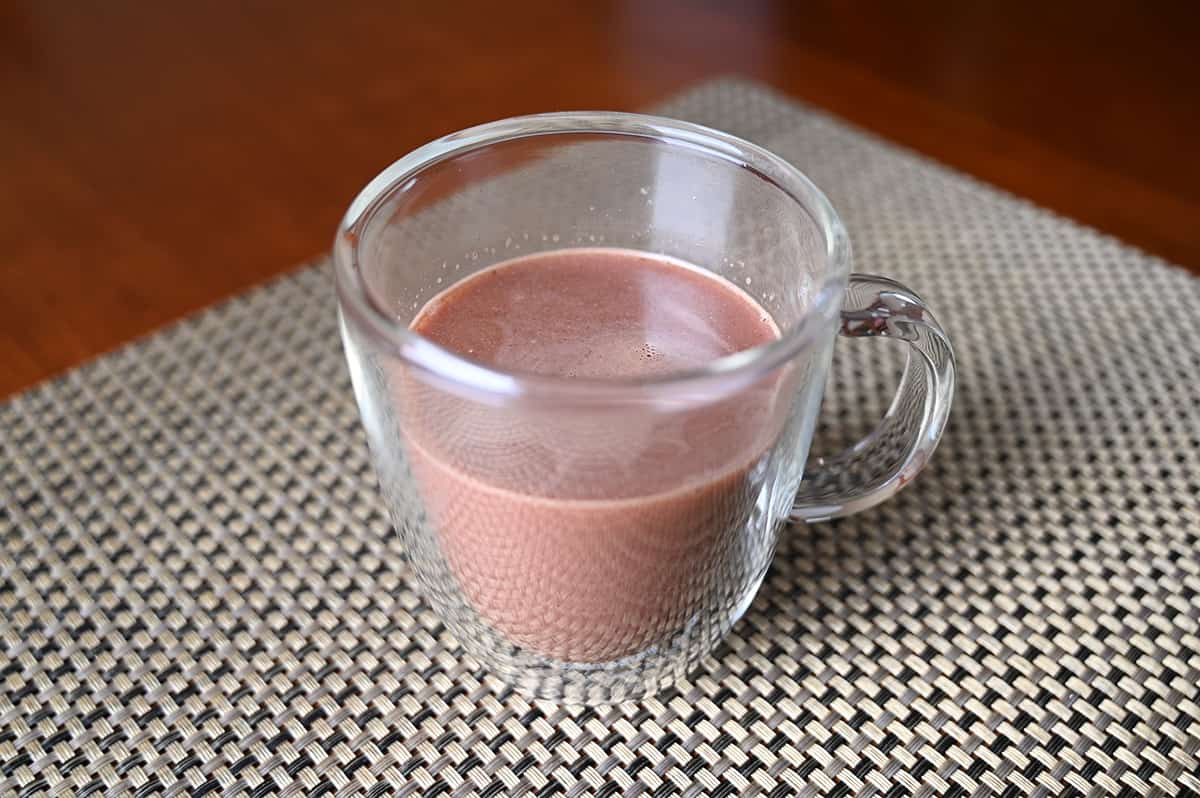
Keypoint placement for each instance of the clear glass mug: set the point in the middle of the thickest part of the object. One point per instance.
(545, 518)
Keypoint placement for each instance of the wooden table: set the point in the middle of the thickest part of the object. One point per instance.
(156, 157)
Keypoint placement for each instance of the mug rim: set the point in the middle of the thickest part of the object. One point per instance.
(464, 375)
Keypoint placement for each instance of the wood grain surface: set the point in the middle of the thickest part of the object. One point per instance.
(158, 156)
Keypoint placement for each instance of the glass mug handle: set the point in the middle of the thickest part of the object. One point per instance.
(886, 460)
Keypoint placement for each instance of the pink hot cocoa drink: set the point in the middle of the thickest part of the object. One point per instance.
(588, 533)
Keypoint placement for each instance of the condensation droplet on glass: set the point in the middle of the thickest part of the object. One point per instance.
(554, 237)
(508, 242)
(591, 207)
(643, 191)
(748, 280)
(439, 281)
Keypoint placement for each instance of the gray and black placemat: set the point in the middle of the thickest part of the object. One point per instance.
(201, 595)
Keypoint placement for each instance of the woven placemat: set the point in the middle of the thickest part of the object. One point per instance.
(201, 594)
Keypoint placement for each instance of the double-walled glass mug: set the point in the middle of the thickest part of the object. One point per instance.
(590, 539)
